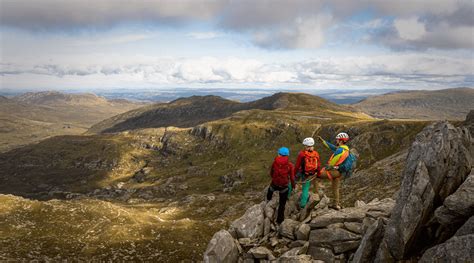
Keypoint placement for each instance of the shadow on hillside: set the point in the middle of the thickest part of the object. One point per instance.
(59, 166)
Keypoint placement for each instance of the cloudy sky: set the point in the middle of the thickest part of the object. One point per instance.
(287, 44)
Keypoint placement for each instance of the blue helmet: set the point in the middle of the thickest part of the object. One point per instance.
(283, 151)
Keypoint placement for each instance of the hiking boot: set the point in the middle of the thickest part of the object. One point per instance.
(335, 207)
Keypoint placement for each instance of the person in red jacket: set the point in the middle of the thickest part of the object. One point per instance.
(308, 165)
(282, 173)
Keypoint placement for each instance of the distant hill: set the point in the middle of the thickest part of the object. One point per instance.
(452, 104)
(55, 98)
(191, 111)
(34, 116)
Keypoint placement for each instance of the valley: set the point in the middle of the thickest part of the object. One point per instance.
(32, 117)
(144, 185)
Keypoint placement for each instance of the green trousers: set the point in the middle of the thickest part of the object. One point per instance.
(304, 190)
(304, 194)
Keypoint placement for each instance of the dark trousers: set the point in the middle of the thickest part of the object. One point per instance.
(283, 192)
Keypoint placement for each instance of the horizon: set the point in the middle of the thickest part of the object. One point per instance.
(169, 95)
(236, 45)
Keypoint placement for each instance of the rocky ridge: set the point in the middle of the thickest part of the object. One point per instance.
(431, 219)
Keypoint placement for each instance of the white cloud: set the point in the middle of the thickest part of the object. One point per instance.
(395, 71)
(410, 29)
(301, 33)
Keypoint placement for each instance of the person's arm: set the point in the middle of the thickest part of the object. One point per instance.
(298, 162)
(292, 175)
(272, 169)
(319, 166)
(327, 144)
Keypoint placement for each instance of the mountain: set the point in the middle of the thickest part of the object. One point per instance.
(184, 112)
(451, 104)
(188, 112)
(32, 117)
(160, 193)
(3, 99)
(435, 196)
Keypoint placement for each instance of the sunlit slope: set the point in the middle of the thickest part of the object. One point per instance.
(91, 229)
(34, 116)
(448, 104)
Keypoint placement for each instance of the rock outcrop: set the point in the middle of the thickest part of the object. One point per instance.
(222, 248)
(249, 225)
(432, 219)
(323, 234)
(438, 162)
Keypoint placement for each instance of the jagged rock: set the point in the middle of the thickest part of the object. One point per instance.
(353, 227)
(267, 226)
(273, 241)
(292, 252)
(377, 213)
(250, 224)
(359, 203)
(334, 216)
(467, 228)
(335, 225)
(438, 162)
(323, 203)
(271, 206)
(281, 250)
(338, 239)
(469, 122)
(245, 241)
(287, 228)
(458, 206)
(366, 223)
(370, 243)
(221, 248)
(292, 206)
(297, 243)
(302, 232)
(384, 206)
(456, 249)
(295, 259)
(261, 253)
(232, 179)
(321, 253)
(312, 202)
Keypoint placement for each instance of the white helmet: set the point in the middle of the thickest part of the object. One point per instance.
(308, 141)
(342, 136)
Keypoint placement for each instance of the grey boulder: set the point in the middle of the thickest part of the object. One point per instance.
(250, 224)
(221, 248)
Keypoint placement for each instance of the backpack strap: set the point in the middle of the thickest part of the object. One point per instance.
(345, 154)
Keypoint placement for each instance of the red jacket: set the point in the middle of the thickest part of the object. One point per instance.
(300, 163)
(277, 178)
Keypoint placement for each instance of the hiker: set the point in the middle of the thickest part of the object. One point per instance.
(307, 166)
(282, 174)
(335, 168)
